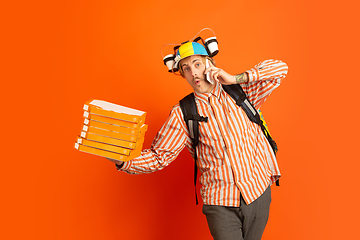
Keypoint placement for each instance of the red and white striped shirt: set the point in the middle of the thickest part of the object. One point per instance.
(233, 154)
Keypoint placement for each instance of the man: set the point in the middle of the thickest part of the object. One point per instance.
(236, 162)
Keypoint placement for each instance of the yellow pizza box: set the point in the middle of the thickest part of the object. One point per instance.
(107, 147)
(107, 154)
(113, 121)
(111, 141)
(116, 128)
(107, 109)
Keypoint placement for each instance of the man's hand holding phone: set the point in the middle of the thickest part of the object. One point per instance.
(213, 73)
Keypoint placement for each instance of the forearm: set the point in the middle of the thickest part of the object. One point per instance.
(263, 79)
(268, 70)
(166, 146)
(151, 160)
(241, 78)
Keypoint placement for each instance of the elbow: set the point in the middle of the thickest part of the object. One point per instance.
(283, 68)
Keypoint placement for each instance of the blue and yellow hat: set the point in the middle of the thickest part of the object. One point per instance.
(189, 49)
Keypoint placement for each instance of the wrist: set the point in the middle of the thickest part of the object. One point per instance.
(119, 165)
(241, 78)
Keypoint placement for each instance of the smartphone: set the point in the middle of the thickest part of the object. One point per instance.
(207, 65)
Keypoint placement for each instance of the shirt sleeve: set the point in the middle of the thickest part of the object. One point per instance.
(263, 79)
(167, 144)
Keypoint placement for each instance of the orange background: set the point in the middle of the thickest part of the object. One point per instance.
(57, 55)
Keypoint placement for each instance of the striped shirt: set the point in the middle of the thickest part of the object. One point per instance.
(234, 156)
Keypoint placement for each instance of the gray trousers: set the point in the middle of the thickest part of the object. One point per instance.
(246, 222)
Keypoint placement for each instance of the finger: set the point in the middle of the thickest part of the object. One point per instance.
(209, 73)
(210, 69)
(212, 75)
(215, 74)
(214, 70)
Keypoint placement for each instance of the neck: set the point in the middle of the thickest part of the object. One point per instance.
(211, 87)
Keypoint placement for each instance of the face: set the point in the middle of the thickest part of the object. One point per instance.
(193, 69)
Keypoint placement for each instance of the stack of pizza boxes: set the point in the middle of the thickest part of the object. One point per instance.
(112, 131)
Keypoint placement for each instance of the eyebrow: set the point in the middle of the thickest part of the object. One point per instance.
(196, 59)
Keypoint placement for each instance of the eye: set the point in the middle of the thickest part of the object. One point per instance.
(186, 69)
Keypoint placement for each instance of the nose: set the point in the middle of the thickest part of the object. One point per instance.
(194, 72)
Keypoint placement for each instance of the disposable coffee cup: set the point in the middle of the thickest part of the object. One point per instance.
(212, 45)
(176, 68)
(169, 61)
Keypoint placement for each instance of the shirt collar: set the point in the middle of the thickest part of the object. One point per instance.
(216, 91)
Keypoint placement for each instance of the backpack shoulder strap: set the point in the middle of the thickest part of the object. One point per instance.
(192, 119)
(238, 94)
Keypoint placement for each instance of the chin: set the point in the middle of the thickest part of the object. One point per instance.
(201, 90)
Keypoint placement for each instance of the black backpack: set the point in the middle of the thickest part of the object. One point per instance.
(192, 119)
